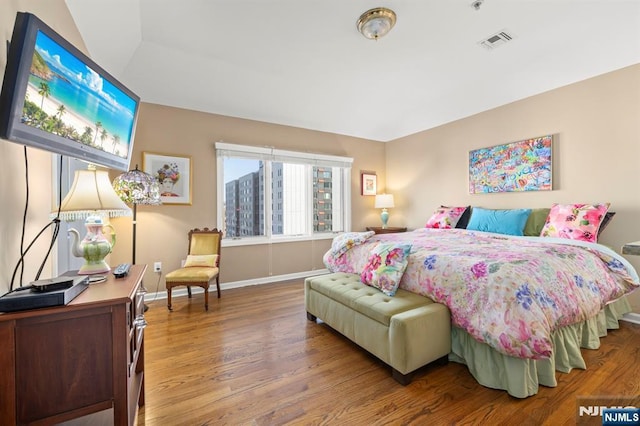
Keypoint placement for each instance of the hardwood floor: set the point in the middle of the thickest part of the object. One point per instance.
(254, 359)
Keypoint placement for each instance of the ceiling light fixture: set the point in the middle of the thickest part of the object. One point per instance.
(376, 23)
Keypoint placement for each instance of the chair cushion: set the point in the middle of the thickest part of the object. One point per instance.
(193, 274)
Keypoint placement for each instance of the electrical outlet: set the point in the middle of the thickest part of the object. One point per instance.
(157, 267)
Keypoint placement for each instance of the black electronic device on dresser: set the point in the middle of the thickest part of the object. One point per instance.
(121, 270)
(44, 293)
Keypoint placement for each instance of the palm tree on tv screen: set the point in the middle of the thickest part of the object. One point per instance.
(98, 127)
(44, 91)
(103, 135)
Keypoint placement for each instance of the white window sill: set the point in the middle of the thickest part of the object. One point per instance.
(254, 241)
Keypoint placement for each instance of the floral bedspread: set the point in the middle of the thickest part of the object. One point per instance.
(508, 292)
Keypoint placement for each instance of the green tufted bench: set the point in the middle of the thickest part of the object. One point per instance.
(406, 331)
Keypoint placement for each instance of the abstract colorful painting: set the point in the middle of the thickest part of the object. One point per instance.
(518, 166)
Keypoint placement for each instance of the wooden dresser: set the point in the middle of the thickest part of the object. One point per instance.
(61, 363)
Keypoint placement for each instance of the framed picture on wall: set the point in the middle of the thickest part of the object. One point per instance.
(517, 166)
(173, 173)
(368, 181)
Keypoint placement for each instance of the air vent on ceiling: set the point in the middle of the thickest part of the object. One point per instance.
(496, 40)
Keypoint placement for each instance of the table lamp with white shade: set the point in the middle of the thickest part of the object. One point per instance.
(92, 198)
(384, 202)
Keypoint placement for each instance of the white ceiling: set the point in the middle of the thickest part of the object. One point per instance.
(302, 63)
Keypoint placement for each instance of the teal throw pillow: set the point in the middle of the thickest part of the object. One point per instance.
(510, 222)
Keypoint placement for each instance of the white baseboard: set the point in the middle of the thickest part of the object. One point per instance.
(182, 291)
(632, 317)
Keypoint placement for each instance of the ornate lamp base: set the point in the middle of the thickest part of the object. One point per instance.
(384, 216)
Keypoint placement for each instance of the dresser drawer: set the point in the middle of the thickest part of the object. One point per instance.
(137, 323)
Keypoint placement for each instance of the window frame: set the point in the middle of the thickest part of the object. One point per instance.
(269, 155)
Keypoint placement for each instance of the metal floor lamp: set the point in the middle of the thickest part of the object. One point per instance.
(137, 187)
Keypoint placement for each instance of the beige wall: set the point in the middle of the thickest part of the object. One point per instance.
(162, 230)
(12, 163)
(596, 155)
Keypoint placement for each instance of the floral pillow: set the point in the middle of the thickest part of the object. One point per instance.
(385, 267)
(575, 221)
(346, 240)
(445, 217)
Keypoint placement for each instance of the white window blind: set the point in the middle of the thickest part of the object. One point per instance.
(279, 155)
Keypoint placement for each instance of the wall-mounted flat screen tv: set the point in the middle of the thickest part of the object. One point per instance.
(56, 98)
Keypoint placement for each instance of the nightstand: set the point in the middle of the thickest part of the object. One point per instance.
(631, 248)
(387, 230)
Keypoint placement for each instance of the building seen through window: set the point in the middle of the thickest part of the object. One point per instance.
(275, 193)
(244, 206)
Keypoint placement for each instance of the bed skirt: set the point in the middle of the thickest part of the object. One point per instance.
(521, 377)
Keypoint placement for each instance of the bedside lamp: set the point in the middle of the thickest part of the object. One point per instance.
(384, 202)
(92, 197)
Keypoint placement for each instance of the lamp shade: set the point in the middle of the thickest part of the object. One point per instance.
(137, 187)
(384, 201)
(91, 193)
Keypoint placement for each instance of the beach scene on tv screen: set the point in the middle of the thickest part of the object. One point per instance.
(66, 97)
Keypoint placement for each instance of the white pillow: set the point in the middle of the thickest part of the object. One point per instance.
(345, 241)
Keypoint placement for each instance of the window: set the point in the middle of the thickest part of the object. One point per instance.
(267, 195)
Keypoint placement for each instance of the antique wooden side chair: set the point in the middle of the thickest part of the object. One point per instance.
(202, 265)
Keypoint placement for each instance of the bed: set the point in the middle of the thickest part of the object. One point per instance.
(521, 307)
